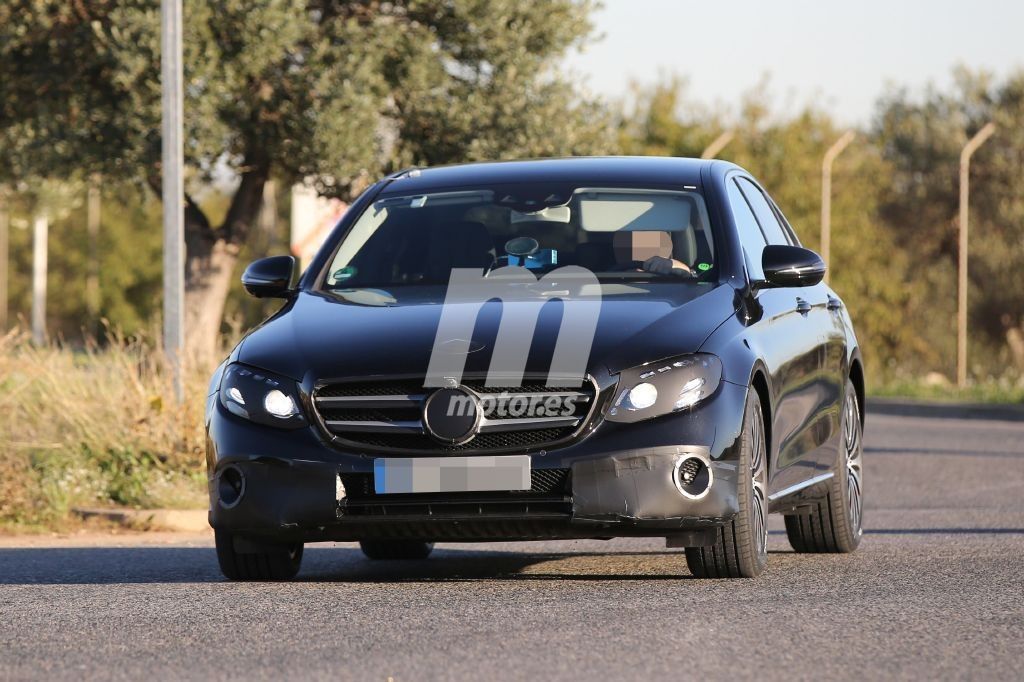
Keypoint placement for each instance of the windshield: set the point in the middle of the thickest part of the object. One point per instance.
(616, 233)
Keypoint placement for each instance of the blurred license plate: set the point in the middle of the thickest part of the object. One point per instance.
(450, 474)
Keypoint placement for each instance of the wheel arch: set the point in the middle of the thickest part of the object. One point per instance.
(759, 383)
(857, 378)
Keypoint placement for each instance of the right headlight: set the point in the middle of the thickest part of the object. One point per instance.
(262, 397)
(659, 388)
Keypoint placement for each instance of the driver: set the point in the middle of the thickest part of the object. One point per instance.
(647, 250)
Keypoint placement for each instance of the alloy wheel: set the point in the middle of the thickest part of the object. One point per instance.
(757, 478)
(854, 466)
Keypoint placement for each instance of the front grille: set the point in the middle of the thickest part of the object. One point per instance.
(549, 495)
(386, 415)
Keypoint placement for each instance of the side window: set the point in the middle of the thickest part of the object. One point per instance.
(751, 237)
(773, 231)
(784, 221)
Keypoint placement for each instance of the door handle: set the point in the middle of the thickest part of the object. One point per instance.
(834, 303)
(802, 306)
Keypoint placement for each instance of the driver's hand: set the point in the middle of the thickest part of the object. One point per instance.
(665, 266)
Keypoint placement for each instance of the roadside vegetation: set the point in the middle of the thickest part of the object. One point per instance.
(94, 428)
(936, 388)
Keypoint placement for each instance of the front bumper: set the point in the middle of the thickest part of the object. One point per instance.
(619, 481)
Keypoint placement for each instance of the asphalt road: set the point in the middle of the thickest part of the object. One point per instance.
(936, 591)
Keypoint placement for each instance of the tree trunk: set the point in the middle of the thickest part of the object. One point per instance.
(1015, 340)
(211, 255)
(209, 267)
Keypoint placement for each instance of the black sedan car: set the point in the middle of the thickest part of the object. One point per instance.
(564, 348)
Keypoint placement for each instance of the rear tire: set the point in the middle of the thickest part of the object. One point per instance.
(835, 524)
(741, 546)
(272, 563)
(396, 550)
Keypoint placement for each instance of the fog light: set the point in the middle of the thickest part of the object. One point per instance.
(279, 405)
(692, 477)
(230, 487)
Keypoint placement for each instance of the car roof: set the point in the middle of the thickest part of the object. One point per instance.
(625, 170)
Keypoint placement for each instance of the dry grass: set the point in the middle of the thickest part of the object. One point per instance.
(98, 427)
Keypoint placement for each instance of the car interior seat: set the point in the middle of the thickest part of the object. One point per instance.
(462, 244)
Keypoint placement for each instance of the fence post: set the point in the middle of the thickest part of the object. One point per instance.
(961, 311)
(826, 196)
(717, 145)
(92, 281)
(40, 236)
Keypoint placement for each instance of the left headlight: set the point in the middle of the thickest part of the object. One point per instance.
(261, 397)
(667, 386)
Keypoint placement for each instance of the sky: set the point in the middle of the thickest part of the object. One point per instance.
(838, 55)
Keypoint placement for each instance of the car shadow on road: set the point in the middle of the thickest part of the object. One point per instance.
(154, 565)
(148, 565)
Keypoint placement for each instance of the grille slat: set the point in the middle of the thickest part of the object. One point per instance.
(526, 423)
(369, 401)
(368, 426)
(385, 415)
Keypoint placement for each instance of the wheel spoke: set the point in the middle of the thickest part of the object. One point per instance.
(760, 527)
(855, 502)
(853, 444)
(854, 469)
(851, 419)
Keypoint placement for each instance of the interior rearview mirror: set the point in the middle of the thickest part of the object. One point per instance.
(791, 266)
(272, 277)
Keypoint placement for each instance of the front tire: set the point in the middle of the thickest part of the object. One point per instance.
(396, 550)
(741, 546)
(269, 562)
(835, 524)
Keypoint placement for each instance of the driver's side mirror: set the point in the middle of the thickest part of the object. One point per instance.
(272, 277)
(791, 266)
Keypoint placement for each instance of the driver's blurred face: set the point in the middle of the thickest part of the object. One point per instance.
(639, 246)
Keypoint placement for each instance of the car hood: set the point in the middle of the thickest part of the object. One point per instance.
(370, 332)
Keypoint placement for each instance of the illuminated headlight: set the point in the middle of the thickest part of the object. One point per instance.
(261, 397)
(279, 405)
(641, 396)
(663, 387)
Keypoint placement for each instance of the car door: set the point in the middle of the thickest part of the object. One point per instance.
(785, 338)
(832, 380)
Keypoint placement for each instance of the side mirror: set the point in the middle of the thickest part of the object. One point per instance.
(791, 266)
(272, 277)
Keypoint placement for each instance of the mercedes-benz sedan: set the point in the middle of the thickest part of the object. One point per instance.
(566, 348)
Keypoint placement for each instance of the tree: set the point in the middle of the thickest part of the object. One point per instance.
(325, 91)
(128, 258)
(921, 139)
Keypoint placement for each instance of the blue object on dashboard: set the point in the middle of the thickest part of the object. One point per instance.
(536, 261)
